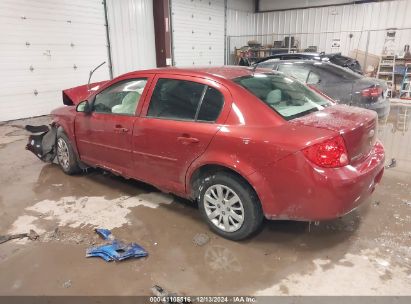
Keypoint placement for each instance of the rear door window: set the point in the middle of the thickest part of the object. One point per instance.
(185, 100)
(176, 99)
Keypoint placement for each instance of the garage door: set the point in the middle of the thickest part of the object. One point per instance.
(47, 46)
(198, 32)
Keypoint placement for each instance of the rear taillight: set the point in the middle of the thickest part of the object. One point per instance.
(331, 153)
(372, 92)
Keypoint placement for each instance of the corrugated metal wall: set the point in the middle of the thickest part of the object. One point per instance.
(45, 47)
(269, 5)
(131, 28)
(198, 32)
(319, 26)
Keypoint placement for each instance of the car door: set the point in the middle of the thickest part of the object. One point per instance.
(179, 119)
(104, 136)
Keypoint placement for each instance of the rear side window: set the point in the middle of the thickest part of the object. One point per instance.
(298, 71)
(211, 105)
(185, 100)
(336, 73)
(269, 64)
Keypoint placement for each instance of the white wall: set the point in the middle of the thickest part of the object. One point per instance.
(131, 27)
(45, 47)
(267, 5)
(241, 5)
(319, 26)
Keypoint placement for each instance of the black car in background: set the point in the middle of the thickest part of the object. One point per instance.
(342, 85)
(335, 58)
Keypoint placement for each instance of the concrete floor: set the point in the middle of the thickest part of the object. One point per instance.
(365, 253)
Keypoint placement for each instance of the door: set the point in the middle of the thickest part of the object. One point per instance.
(181, 117)
(46, 46)
(197, 32)
(104, 136)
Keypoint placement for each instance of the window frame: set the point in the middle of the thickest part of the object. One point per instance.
(202, 81)
(119, 82)
(313, 73)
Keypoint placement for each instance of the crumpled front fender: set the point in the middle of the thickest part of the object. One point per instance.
(42, 145)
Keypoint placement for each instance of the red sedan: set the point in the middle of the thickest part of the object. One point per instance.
(245, 144)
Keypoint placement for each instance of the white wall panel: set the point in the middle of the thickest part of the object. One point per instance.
(319, 26)
(47, 46)
(132, 41)
(198, 32)
(267, 5)
(241, 5)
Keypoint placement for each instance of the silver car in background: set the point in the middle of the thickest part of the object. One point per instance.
(341, 84)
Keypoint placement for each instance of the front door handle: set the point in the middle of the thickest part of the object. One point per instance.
(188, 140)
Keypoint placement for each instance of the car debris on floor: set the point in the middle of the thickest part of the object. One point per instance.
(32, 236)
(392, 164)
(115, 250)
(43, 144)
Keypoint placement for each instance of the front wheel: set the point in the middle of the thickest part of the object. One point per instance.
(230, 206)
(65, 155)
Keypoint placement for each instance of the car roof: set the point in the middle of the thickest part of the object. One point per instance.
(222, 72)
(299, 61)
(302, 54)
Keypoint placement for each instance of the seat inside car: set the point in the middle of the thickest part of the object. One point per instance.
(274, 97)
(128, 104)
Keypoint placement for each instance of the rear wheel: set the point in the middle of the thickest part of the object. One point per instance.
(230, 206)
(65, 155)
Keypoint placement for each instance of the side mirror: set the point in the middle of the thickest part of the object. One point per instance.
(84, 107)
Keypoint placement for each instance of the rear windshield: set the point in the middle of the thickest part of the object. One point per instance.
(285, 95)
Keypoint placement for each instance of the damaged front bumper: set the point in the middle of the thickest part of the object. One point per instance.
(43, 141)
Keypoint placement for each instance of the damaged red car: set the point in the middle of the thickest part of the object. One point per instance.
(246, 144)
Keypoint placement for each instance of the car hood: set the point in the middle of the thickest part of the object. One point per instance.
(78, 94)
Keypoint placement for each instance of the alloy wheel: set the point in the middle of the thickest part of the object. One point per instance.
(224, 208)
(63, 154)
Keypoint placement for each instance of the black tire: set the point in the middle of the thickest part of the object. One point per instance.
(252, 212)
(71, 167)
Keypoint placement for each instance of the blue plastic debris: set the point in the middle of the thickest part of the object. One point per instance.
(104, 233)
(116, 250)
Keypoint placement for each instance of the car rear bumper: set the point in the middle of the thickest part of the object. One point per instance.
(296, 189)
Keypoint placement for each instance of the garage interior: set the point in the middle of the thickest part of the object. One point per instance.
(48, 46)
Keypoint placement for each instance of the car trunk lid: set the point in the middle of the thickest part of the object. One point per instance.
(357, 126)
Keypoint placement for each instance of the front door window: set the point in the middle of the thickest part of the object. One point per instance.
(121, 98)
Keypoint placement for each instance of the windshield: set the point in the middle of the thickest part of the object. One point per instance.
(285, 95)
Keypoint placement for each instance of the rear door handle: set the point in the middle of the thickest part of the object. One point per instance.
(188, 140)
(120, 129)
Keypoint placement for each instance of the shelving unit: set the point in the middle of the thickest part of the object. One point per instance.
(406, 82)
(254, 54)
(386, 72)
